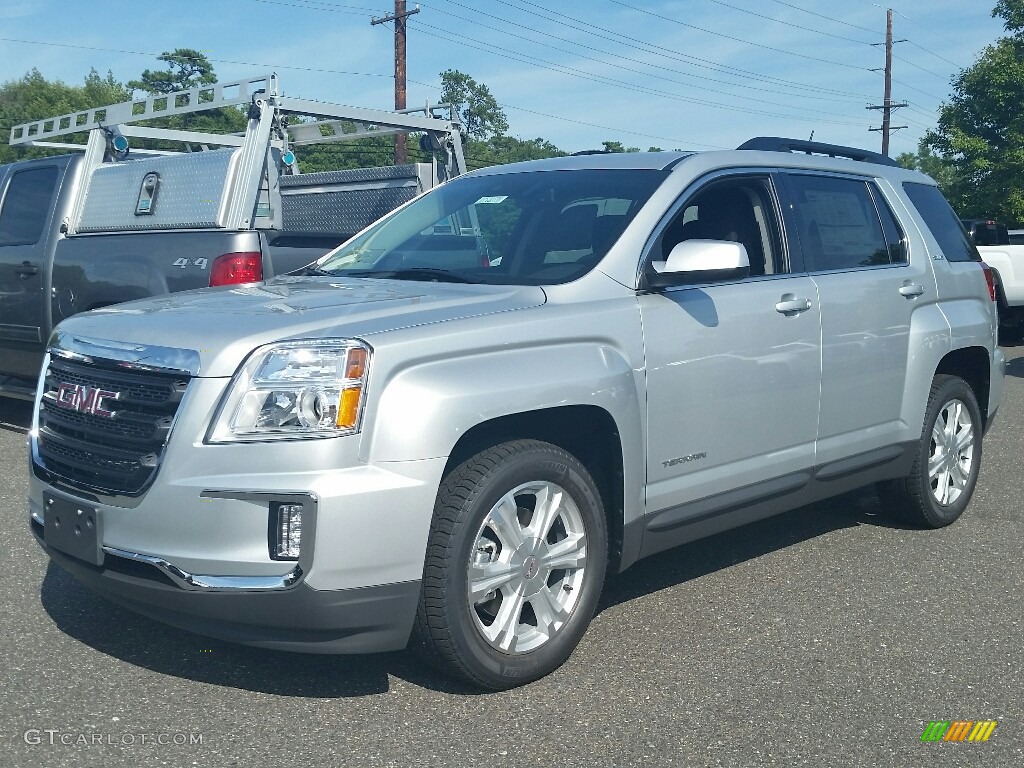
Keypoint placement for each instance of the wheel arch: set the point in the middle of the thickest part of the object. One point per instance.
(589, 433)
(973, 365)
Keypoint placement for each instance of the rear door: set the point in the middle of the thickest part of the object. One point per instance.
(869, 285)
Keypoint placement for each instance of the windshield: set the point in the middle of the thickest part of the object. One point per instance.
(532, 228)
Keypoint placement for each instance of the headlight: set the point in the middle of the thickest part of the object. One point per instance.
(295, 389)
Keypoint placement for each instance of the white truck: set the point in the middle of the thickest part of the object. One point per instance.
(1006, 258)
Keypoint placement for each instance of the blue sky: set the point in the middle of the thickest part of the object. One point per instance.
(691, 74)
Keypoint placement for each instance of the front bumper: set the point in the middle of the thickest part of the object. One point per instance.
(291, 618)
(192, 550)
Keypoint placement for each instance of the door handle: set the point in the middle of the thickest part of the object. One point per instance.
(790, 305)
(27, 269)
(910, 290)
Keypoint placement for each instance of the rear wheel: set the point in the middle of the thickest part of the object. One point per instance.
(945, 470)
(515, 564)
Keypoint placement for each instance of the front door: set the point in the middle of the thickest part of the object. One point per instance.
(732, 368)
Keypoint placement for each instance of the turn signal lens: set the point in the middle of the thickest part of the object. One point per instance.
(348, 407)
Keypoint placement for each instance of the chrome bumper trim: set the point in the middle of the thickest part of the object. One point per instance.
(200, 583)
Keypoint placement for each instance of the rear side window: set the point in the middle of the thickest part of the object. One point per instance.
(839, 224)
(26, 206)
(945, 227)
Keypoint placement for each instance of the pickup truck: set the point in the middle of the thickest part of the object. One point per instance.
(111, 224)
(449, 439)
(995, 244)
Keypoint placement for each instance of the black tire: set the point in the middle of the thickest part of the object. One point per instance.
(471, 530)
(916, 497)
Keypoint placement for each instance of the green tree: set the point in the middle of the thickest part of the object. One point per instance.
(928, 162)
(481, 115)
(499, 150)
(188, 68)
(33, 97)
(980, 130)
(617, 146)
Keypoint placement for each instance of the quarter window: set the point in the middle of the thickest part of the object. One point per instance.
(27, 206)
(945, 226)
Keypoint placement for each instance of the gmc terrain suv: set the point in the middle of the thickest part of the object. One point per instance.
(459, 421)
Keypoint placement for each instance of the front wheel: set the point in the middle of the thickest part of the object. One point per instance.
(515, 564)
(945, 471)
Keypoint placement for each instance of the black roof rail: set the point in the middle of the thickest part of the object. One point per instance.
(592, 152)
(778, 144)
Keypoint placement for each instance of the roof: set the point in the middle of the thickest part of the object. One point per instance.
(656, 161)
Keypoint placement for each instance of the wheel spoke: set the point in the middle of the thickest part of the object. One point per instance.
(546, 511)
(551, 615)
(965, 440)
(957, 476)
(943, 487)
(569, 553)
(935, 462)
(503, 629)
(489, 577)
(938, 432)
(504, 519)
(958, 415)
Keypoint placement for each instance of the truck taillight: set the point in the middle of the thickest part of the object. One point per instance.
(233, 268)
(990, 280)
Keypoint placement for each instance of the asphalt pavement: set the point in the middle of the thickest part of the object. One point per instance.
(828, 636)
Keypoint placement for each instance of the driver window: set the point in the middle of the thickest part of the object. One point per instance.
(737, 210)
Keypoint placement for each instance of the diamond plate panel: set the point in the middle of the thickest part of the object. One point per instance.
(192, 187)
(350, 175)
(345, 201)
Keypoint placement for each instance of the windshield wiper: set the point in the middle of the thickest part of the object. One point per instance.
(431, 274)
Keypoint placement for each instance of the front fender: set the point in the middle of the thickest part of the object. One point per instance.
(425, 408)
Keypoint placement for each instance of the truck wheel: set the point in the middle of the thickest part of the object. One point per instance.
(515, 563)
(945, 470)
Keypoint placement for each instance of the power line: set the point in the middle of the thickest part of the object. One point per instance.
(735, 39)
(506, 32)
(789, 24)
(696, 61)
(943, 58)
(823, 16)
(918, 66)
(551, 66)
(208, 58)
(865, 29)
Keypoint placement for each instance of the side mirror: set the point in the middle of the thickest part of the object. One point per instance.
(700, 261)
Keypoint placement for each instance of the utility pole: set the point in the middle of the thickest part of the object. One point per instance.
(887, 105)
(399, 17)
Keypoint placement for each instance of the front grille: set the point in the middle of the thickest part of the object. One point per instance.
(113, 444)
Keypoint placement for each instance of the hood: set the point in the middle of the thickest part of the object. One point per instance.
(225, 324)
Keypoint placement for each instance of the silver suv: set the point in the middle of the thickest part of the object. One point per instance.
(454, 425)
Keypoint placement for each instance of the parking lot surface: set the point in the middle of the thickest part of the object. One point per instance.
(828, 636)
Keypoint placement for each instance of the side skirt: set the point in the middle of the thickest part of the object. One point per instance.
(697, 519)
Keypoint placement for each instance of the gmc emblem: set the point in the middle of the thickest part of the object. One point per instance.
(78, 397)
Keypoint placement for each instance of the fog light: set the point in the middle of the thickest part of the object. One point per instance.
(286, 532)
